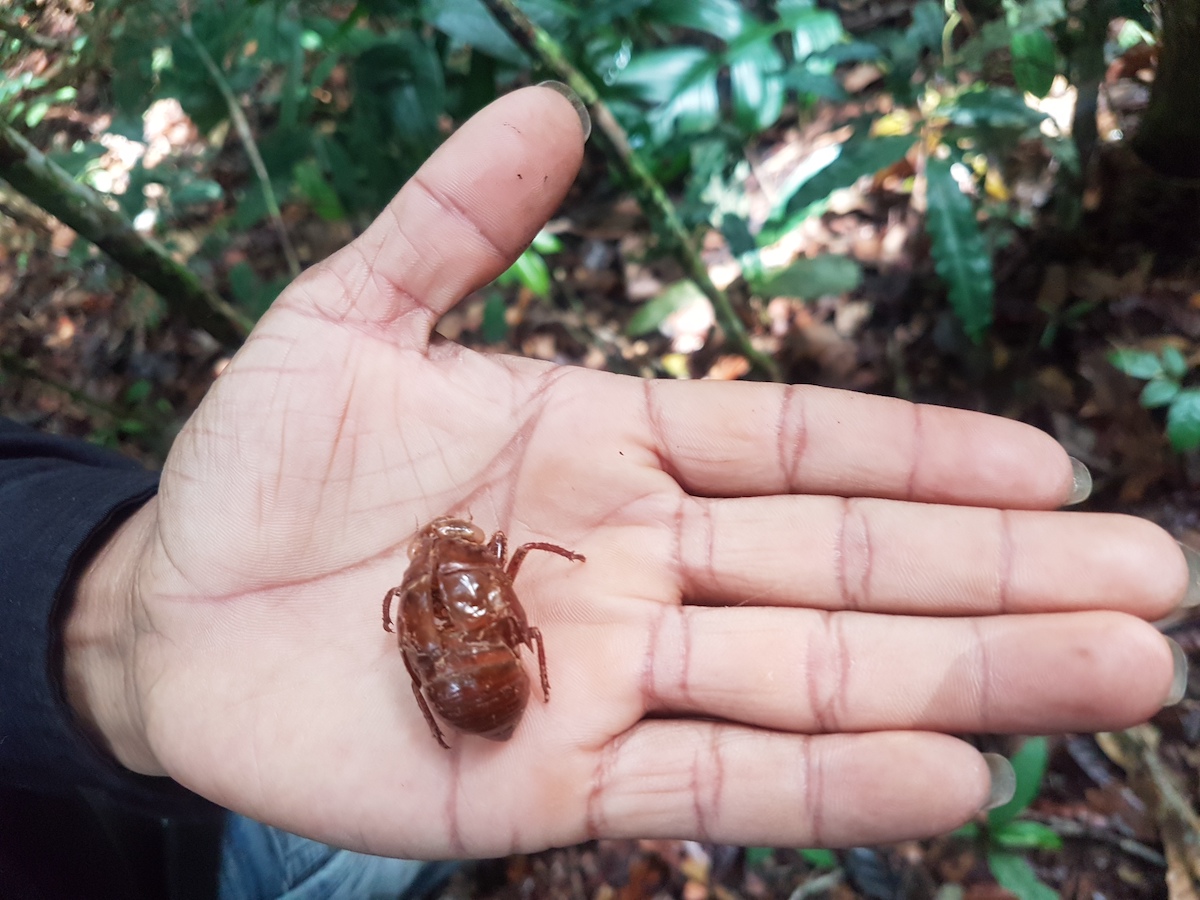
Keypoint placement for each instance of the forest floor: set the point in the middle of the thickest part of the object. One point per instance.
(85, 350)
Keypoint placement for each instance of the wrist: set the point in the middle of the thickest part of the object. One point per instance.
(99, 636)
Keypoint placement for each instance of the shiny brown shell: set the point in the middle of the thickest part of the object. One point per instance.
(460, 628)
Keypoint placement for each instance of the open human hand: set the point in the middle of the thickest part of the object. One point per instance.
(791, 596)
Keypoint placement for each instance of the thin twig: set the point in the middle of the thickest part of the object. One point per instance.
(613, 141)
(242, 125)
(1136, 751)
(818, 885)
(28, 171)
(1070, 828)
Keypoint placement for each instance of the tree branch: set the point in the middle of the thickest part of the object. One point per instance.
(30, 38)
(610, 136)
(47, 185)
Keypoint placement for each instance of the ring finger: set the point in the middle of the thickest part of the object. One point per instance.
(811, 671)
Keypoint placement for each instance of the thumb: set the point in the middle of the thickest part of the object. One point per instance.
(460, 221)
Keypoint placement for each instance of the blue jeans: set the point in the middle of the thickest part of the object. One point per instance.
(263, 863)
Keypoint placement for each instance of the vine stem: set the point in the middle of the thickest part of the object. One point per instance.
(953, 18)
(614, 143)
(246, 135)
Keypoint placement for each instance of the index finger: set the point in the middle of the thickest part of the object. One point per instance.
(737, 439)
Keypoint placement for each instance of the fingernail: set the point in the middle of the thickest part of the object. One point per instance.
(1081, 483)
(1004, 781)
(1179, 681)
(1191, 598)
(580, 107)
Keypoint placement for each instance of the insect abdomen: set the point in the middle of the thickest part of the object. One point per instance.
(480, 691)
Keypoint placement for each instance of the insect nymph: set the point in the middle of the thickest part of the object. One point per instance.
(461, 627)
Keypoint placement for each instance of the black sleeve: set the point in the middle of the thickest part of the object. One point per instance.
(59, 501)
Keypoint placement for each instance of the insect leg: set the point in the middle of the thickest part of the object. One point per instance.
(535, 634)
(498, 546)
(416, 686)
(519, 556)
(387, 608)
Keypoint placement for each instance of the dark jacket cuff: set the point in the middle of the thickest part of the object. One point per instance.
(59, 501)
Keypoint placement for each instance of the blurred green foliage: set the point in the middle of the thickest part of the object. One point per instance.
(1166, 374)
(346, 100)
(1005, 838)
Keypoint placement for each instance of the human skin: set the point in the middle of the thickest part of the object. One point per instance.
(792, 595)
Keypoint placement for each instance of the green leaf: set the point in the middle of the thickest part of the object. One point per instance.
(1159, 392)
(194, 192)
(137, 392)
(813, 278)
(990, 107)
(737, 234)
(1131, 34)
(959, 253)
(656, 76)
(654, 312)
(251, 208)
(928, 21)
(1029, 764)
(37, 111)
(813, 31)
(1026, 835)
(1037, 13)
(545, 242)
(404, 76)
(1174, 362)
(1137, 363)
(819, 858)
(851, 52)
(252, 293)
(992, 37)
(1183, 420)
(1013, 873)
(495, 326)
(756, 856)
(468, 22)
(856, 158)
(815, 85)
(725, 19)
(1034, 61)
(531, 271)
(696, 109)
(310, 181)
(756, 88)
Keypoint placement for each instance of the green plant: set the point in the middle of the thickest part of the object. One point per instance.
(819, 859)
(1005, 838)
(530, 270)
(675, 89)
(957, 131)
(1164, 373)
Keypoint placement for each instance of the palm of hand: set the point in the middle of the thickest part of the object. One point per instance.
(325, 474)
(266, 683)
